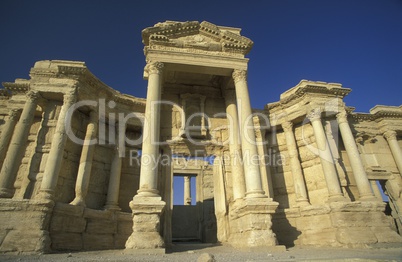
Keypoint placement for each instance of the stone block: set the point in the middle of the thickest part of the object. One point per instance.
(358, 219)
(67, 224)
(355, 235)
(25, 241)
(386, 235)
(323, 237)
(98, 241)
(101, 226)
(66, 241)
(313, 222)
(124, 227)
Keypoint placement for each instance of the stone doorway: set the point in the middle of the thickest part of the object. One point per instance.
(185, 216)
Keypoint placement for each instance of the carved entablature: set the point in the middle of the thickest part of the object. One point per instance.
(195, 37)
(16, 88)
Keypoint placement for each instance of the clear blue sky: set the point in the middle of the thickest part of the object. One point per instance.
(357, 43)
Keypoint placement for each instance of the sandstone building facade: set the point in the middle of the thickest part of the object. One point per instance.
(84, 167)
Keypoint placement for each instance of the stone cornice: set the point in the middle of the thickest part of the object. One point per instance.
(79, 72)
(17, 87)
(225, 40)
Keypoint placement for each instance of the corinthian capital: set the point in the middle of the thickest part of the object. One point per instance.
(342, 117)
(14, 114)
(314, 114)
(239, 75)
(154, 68)
(390, 135)
(287, 126)
(33, 95)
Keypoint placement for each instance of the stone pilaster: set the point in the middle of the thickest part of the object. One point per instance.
(55, 157)
(247, 134)
(84, 169)
(147, 205)
(239, 185)
(266, 178)
(396, 151)
(7, 132)
(112, 200)
(362, 182)
(17, 146)
(327, 164)
(295, 166)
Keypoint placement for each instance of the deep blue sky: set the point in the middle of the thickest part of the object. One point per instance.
(357, 43)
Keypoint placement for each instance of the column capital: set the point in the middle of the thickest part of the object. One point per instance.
(33, 95)
(390, 135)
(69, 98)
(342, 117)
(239, 75)
(154, 68)
(14, 114)
(287, 126)
(314, 114)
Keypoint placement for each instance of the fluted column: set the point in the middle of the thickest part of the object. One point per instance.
(396, 151)
(150, 147)
(328, 167)
(84, 169)
(248, 144)
(362, 182)
(7, 132)
(239, 186)
(17, 145)
(55, 157)
(112, 200)
(187, 190)
(295, 166)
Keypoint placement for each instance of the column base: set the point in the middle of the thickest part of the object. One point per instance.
(45, 194)
(78, 201)
(251, 221)
(368, 198)
(256, 194)
(6, 193)
(337, 198)
(302, 203)
(146, 223)
(112, 207)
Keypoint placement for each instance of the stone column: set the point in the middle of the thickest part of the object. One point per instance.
(112, 201)
(147, 205)
(362, 182)
(256, 206)
(396, 151)
(7, 132)
(55, 157)
(17, 146)
(247, 134)
(150, 147)
(265, 172)
(295, 166)
(187, 190)
(328, 167)
(239, 185)
(84, 169)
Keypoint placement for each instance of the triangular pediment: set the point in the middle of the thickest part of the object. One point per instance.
(194, 35)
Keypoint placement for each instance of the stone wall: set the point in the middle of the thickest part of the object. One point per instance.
(78, 228)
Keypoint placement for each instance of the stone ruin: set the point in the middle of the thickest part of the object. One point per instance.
(84, 167)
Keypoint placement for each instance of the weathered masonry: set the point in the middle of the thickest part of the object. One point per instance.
(84, 167)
